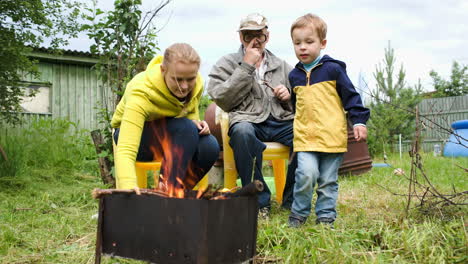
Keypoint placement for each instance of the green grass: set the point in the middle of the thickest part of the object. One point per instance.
(372, 226)
(46, 214)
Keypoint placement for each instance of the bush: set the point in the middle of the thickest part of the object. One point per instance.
(11, 167)
(47, 149)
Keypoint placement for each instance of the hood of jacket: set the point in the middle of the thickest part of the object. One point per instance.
(147, 93)
(156, 88)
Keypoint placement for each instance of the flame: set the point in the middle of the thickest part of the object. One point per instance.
(171, 156)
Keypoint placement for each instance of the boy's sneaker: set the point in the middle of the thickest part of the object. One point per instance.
(325, 221)
(296, 221)
(264, 213)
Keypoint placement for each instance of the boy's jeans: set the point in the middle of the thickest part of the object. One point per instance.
(321, 168)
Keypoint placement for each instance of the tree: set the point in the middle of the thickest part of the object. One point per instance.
(457, 85)
(24, 25)
(392, 104)
(125, 40)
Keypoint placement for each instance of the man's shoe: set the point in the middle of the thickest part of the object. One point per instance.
(296, 221)
(325, 221)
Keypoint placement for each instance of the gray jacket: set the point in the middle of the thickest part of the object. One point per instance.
(234, 89)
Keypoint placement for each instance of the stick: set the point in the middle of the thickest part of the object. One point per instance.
(268, 85)
(3, 154)
(105, 165)
(23, 209)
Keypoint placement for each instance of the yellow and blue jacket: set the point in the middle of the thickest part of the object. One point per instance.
(146, 98)
(321, 97)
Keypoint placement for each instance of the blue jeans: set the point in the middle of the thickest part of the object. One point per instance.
(184, 153)
(321, 168)
(247, 144)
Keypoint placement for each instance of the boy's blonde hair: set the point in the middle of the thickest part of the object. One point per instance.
(180, 52)
(311, 20)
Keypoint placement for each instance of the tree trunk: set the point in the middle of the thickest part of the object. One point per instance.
(105, 165)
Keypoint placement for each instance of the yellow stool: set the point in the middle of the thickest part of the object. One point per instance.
(142, 168)
(276, 152)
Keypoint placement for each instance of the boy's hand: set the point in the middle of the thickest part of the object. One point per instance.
(281, 92)
(360, 133)
(252, 55)
(202, 127)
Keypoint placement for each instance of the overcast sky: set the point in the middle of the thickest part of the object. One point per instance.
(425, 34)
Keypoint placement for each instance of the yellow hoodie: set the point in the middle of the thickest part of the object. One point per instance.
(146, 98)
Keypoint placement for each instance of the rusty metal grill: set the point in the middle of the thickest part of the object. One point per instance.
(170, 230)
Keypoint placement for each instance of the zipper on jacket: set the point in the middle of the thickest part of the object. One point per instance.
(308, 73)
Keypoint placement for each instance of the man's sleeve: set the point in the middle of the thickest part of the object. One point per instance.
(230, 83)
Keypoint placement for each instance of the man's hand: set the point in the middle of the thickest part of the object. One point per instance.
(360, 133)
(202, 127)
(281, 92)
(252, 55)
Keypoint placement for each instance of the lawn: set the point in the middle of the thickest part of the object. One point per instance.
(47, 214)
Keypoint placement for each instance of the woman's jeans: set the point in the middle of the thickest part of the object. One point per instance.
(184, 153)
(321, 169)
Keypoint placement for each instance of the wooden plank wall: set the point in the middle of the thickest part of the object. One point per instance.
(75, 92)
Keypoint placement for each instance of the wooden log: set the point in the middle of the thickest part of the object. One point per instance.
(98, 193)
(250, 189)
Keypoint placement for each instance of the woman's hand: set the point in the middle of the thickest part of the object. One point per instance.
(137, 190)
(202, 126)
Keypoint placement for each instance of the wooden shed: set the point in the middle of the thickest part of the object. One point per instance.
(68, 88)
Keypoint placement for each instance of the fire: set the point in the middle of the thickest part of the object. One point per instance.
(173, 180)
(176, 179)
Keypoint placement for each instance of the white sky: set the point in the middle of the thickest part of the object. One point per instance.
(425, 34)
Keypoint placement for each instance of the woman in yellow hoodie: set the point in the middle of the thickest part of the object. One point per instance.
(158, 118)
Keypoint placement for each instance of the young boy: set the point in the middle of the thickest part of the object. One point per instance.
(322, 94)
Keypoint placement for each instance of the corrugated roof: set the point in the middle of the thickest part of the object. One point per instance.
(66, 52)
(64, 55)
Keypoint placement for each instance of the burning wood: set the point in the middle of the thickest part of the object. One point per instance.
(216, 193)
(209, 192)
(212, 192)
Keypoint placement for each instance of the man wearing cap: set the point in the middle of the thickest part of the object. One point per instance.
(252, 86)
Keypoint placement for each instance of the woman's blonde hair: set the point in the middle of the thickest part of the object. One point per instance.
(180, 52)
(314, 21)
